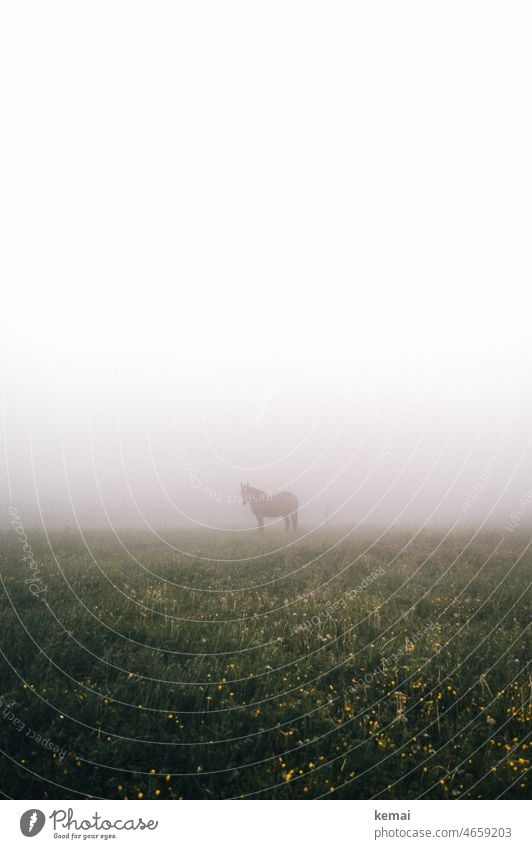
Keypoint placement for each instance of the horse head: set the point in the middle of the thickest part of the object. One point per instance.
(245, 493)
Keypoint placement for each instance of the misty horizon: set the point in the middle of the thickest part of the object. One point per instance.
(147, 457)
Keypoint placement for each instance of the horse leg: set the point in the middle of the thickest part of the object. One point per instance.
(260, 521)
(286, 523)
(293, 516)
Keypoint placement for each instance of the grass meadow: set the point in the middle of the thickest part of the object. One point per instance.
(389, 665)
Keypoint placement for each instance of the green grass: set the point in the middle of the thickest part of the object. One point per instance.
(220, 673)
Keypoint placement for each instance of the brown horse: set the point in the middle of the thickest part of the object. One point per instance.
(283, 504)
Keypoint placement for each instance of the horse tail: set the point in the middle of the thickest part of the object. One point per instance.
(294, 519)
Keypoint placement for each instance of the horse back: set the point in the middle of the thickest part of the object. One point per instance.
(287, 501)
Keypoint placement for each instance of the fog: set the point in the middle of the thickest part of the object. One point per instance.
(151, 443)
(223, 265)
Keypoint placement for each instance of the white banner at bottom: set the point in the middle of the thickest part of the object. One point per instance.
(268, 824)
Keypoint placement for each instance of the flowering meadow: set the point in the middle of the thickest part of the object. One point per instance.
(370, 664)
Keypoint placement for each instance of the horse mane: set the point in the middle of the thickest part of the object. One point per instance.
(254, 490)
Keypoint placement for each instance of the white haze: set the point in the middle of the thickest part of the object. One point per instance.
(281, 243)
